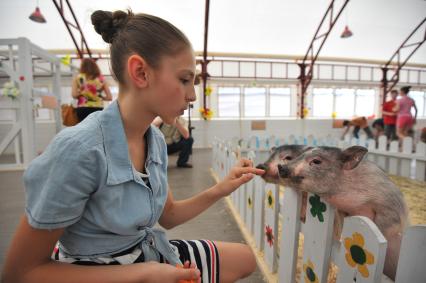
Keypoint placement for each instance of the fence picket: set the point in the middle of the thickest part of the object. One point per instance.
(270, 227)
(362, 252)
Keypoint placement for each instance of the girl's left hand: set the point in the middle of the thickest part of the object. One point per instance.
(240, 174)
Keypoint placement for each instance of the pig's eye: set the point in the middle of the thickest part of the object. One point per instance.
(315, 161)
(288, 157)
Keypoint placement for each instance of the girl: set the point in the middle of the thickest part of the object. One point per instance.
(101, 186)
(404, 120)
(90, 89)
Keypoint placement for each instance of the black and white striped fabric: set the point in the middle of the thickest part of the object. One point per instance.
(201, 252)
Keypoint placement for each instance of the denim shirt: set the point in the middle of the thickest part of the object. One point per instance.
(85, 182)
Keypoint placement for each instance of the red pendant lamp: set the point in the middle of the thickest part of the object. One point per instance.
(37, 16)
(346, 33)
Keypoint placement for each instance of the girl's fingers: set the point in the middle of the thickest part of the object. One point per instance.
(246, 170)
(244, 162)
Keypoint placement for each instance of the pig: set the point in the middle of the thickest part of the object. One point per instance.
(354, 186)
(279, 155)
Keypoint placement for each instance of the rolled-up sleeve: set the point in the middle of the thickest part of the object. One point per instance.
(59, 182)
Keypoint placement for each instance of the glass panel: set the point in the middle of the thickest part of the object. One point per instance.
(254, 102)
(365, 102)
(345, 99)
(280, 102)
(419, 98)
(322, 102)
(228, 102)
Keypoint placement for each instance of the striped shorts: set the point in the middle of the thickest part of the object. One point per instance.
(201, 252)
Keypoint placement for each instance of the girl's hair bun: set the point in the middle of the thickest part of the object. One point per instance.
(107, 24)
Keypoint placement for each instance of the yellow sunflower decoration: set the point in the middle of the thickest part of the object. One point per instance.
(310, 275)
(270, 199)
(357, 255)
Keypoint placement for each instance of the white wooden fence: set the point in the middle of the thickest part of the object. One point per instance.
(360, 254)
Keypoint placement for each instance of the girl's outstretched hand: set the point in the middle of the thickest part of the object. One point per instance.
(240, 174)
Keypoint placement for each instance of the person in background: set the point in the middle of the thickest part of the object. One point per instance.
(358, 123)
(378, 127)
(90, 89)
(389, 116)
(95, 198)
(177, 139)
(405, 120)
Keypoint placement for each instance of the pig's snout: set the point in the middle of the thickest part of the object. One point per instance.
(283, 171)
(262, 166)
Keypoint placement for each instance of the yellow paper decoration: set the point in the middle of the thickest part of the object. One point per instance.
(334, 115)
(66, 60)
(209, 90)
(206, 113)
(305, 112)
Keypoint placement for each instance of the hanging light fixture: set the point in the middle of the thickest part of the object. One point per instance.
(36, 16)
(346, 33)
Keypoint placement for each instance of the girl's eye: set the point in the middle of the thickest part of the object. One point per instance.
(315, 161)
(185, 81)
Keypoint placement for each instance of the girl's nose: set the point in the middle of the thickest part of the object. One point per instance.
(191, 96)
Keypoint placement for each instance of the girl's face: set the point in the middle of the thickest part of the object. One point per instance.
(173, 85)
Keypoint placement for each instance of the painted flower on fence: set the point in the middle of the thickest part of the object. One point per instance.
(270, 199)
(317, 207)
(357, 255)
(269, 235)
(310, 275)
(250, 202)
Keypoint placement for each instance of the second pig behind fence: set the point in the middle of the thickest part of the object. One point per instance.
(353, 185)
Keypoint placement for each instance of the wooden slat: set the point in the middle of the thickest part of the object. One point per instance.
(420, 164)
(393, 167)
(290, 236)
(412, 258)
(373, 243)
(270, 229)
(318, 234)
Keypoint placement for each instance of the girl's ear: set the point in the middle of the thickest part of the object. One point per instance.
(137, 69)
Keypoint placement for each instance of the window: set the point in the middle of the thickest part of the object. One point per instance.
(365, 102)
(420, 99)
(345, 102)
(279, 102)
(322, 102)
(229, 102)
(254, 102)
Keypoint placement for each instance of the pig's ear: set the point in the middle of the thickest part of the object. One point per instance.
(272, 150)
(352, 156)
